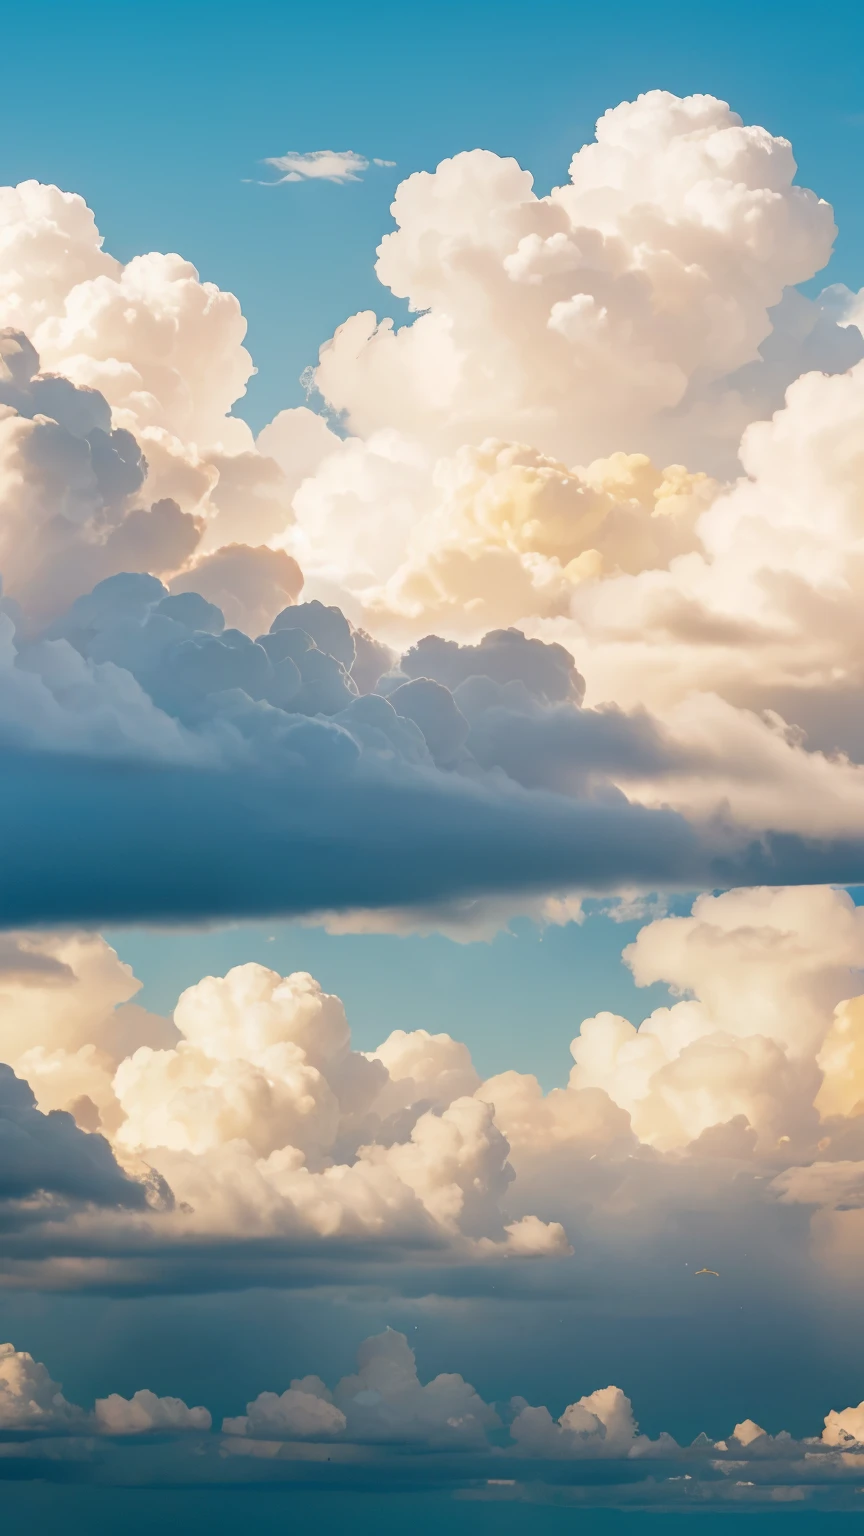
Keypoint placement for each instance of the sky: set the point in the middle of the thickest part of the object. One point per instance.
(432, 1041)
(161, 115)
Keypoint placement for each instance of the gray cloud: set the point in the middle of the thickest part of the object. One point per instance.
(48, 1155)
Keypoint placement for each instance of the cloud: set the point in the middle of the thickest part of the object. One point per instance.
(144, 1412)
(552, 642)
(504, 785)
(625, 559)
(383, 1402)
(31, 1401)
(338, 165)
(677, 209)
(385, 1422)
(49, 1155)
(252, 1120)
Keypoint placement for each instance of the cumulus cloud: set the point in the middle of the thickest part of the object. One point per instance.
(251, 1115)
(681, 231)
(29, 1399)
(144, 1412)
(384, 1401)
(635, 288)
(48, 1155)
(141, 365)
(385, 1417)
(505, 625)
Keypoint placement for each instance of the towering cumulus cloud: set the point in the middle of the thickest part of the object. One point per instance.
(383, 1422)
(550, 643)
(621, 306)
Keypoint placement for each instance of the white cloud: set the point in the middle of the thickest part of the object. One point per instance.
(29, 1399)
(384, 1416)
(144, 1411)
(339, 165)
(634, 289)
(384, 1401)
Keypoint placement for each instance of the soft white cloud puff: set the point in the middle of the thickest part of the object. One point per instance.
(653, 268)
(339, 165)
(163, 353)
(385, 1417)
(30, 1400)
(601, 1424)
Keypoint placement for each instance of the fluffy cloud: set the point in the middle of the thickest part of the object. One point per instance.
(133, 671)
(47, 1157)
(765, 970)
(384, 1418)
(601, 1424)
(31, 1401)
(475, 767)
(251, 1115)
(841, 1059)
(141, 365)
(263, 1120)
(766, 611)
(68, 487)
(680, 233)
(591, 315)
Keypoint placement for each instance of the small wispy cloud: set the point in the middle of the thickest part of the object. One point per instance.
(337, 165)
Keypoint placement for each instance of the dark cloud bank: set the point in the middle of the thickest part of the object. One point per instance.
(218, 776)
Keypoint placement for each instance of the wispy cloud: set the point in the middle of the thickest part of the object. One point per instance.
(337, 165)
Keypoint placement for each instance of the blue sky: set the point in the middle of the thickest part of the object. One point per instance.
(160, 113)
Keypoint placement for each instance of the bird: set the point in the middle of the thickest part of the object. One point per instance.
(707, 1272)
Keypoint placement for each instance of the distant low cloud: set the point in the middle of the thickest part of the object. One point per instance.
(338, 165)
(383, 1422)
